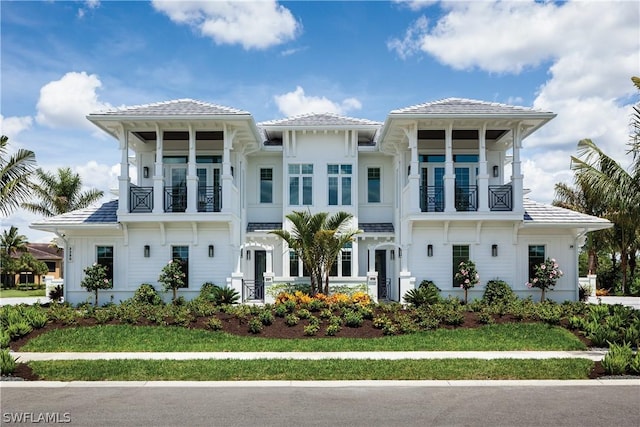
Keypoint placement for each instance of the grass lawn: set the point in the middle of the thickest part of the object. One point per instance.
(305, 370)
(15, 293)
(115, 338)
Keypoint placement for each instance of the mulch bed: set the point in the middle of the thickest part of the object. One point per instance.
(278, 329)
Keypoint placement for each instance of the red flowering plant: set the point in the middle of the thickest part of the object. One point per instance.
(173, 277)
(545, 276)
(95, 279)
(467, 276)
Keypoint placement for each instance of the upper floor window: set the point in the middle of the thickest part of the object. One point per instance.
(536, 257)
(266, 185)
(301, 184)
(339, 184)
(373, 185)
(104, 256)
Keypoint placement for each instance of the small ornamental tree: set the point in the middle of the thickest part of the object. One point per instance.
(545, 276)
(95, 278)
(172, 277)
(467, 276)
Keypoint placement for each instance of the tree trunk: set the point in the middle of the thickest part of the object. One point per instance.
(632, 261)
(542, 295)
(465, 295)
(175, 293)
(624, 257)
(96, 303)
(592, 264)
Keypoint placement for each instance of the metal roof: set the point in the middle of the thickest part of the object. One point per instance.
(376, 227)
(102, 214)
(320, 119)
(462, 106)
(263, 226)
(538, 213)
(178, 107)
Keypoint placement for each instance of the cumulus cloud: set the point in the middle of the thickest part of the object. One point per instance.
(65, 103)
(87, 6)
(253, 25)
(12, 126)
(591, 50)
(296, 102)
(99, 176)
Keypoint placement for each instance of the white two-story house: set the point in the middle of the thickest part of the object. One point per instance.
(435, 184)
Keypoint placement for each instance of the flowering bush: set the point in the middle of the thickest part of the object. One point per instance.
(172, 277)
(467, 276)
(301, 298)
(545, 276)
(95, 278)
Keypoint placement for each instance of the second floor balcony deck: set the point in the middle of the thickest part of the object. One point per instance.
(432, 198)
(209, 199)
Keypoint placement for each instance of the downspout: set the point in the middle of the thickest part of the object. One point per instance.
(63, 266)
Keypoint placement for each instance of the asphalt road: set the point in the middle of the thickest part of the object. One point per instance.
(486, 405)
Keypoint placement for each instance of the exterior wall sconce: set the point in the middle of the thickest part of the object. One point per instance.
(145, 172)
(392, 255)
(210, 251)
(429, 250)
(241, 253)
(494, 250)
(496, 171)
(147, 251)
(399, 252)
(248, 255)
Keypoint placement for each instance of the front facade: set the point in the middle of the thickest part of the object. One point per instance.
(435, 184)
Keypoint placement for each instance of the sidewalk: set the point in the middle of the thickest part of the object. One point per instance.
(595, 355)
(24, 300)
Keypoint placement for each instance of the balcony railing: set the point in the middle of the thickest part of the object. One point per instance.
(209, 199)
(175, 199)
(252, 290)
(500, 197)
(140, 199)
(432, 199)
(466, 199)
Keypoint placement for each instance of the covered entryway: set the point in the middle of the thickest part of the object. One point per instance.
(253, 286)
(384, 282)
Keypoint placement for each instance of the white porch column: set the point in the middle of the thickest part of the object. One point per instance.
(124, 180)
(516, 172)
(414, 177)
(192, 177)
(449, 175)
(354, 259)
(227, 178)
(483, 176)
(158, 180)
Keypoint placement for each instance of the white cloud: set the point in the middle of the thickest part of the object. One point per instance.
(253, 25)
(88, 5)
(99, 176)
(296, 102)
(591, 48)
(65, 103)
(415, 4)
(12, 126)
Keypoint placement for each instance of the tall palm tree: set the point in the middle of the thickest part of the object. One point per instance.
(620, 192)
(60, 192)
(11, 242)
(317, 239)
(15, 174)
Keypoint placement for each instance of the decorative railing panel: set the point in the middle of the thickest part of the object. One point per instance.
(209, 199)
(140, 199)
(500, 198)
(175, 199)
(432, 199)
(466, 199)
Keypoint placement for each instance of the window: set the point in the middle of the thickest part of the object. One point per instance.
(339, 184)
(536, 257)
(373, 185)
(266, 185)
(343, 262)
(181, 254)
(460, 254)
(294, 264)
(51, 266)
(104, 256)
(301, 184)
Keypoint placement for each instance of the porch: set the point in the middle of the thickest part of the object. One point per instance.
(433, 198)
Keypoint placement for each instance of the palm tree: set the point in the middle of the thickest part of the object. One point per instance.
(620, 193)
(15, 172)
(10, 244)
(317, 240)
(60, 193)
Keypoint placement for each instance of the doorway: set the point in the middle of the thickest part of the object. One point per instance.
(381, 268)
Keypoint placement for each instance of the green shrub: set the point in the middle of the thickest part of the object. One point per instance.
(317, 305)
(602, 336)
(281, 310)
(426, 294)
(36, 317)
(266, 317)
(333, 329)
(353, 319)
(206, 290)
(325, 313)
(380, 322)
(498, 291)
(311, 329)
(291, 319)
(19, 329)
(102, 316)
(335, 320)
(255, 326)
(214, 324)
(634, 366)
(5, 339)
(303, 313)
(56, 293)
(7, 362)
(618, 359)
(389, 329)
(485, 316)
(147, 294)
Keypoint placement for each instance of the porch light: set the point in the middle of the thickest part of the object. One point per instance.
(147, 251)
(248, 255)
(494, 250)
(392, 255)
(145, 172)
(429, 250)
(399, 252)
(210, 251)
(496, 171)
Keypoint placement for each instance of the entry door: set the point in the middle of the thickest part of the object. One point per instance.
(259, 268)
(381, 268)
(208, 189)
(176, 194)
(432, 183)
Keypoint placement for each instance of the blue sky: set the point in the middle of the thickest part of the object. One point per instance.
(62, 60)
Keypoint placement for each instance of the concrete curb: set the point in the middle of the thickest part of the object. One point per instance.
(324, 384)
(595, 355)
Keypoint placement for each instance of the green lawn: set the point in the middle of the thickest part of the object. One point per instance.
(305, 370)
(117, 338)
(15, 293)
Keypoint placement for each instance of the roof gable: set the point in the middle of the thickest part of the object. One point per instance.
(320, 119)
(102, 214)
(462, 106)
(178, 107)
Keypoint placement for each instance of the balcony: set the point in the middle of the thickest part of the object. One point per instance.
(501, 198)
(432, 198)
(466, 199)
(209, 199)
(140, 199)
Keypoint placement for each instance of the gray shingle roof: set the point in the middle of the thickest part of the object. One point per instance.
(376, 227)
(264, 226)
(461, 106)
(103, 214)
(538, 213)
(178, 107)
(320, 119)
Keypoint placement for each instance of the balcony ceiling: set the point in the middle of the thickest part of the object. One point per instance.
(460, 134)
(150, 136)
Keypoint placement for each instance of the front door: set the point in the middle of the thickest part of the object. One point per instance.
(259, 268)
(175, 196)
(381, 268)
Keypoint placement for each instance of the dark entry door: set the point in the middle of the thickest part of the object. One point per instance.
(259, 268)
(381, 268)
